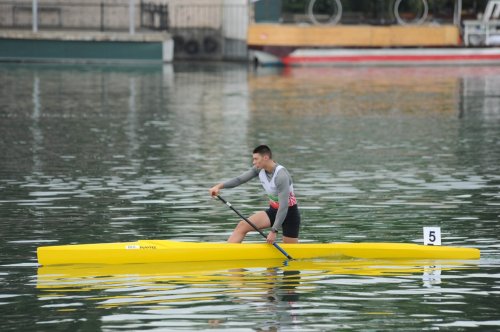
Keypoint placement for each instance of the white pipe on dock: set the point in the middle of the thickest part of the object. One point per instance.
(131, 16)
(457, 15)
(35, 15)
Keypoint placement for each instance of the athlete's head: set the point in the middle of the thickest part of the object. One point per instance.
(263, 150)
(261, 155)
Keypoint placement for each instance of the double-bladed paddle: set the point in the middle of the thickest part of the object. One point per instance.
(254, 227)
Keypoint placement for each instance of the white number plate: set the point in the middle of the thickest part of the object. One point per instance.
(432, 236)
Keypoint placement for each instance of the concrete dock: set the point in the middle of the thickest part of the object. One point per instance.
(85, 46)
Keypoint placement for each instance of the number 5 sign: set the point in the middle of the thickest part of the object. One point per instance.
(432, 236)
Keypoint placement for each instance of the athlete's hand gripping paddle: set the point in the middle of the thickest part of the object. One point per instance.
(253, 226)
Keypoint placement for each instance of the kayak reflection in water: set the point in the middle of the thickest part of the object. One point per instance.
(277, 182)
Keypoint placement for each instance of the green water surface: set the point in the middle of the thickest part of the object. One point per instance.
(93, 154)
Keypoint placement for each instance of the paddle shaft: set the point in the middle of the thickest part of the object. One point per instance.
(253, 226)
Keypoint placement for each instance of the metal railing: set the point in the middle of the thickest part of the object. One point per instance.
(485, 31)
(117, 15)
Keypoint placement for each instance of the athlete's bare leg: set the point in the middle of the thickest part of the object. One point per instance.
(287, 239)
(259, 219)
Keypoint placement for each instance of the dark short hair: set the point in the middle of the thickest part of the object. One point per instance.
(263, 150)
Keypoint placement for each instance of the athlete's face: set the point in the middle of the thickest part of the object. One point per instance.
(259, 160)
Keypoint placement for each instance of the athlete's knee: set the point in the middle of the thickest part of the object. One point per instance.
(287, 239)
(242, 227)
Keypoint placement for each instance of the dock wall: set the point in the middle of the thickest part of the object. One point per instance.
(85, 47)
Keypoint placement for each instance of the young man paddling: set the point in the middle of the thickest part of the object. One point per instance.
(277, 182)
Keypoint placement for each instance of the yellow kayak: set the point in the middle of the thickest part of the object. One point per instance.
(164, 251)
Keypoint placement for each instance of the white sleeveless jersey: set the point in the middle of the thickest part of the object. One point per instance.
(272, 190)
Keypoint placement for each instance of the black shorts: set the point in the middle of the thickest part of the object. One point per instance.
(291, 224)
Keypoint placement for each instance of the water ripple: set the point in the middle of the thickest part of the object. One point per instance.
(109, 154)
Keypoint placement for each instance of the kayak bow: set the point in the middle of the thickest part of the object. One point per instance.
(164, 251)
